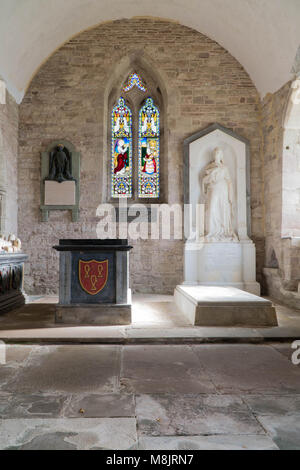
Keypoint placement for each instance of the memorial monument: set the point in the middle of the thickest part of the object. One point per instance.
(217, 187)
(218, 249)
(60, 179)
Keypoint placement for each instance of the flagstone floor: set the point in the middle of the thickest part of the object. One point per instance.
(209, 396)
(155, 318)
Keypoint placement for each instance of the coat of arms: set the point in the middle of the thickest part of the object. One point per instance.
(93, 275)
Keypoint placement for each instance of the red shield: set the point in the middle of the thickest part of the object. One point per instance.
(93, 275)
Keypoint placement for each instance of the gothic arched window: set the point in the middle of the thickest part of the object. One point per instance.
(135, 142)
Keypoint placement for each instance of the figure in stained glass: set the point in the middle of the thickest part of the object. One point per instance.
(121, 173)
(149, 131)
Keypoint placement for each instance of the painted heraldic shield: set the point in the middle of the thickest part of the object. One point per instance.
(93, 275)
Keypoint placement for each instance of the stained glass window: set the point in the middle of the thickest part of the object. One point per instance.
(121, 142)
(149, 150)
(134, 80)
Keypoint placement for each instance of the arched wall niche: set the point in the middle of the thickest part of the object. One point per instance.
(71, 98)
(137, 62)
(291, 165)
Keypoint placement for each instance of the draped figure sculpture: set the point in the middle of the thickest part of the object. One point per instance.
(218, 191)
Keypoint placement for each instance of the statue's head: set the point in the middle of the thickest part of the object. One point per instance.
(218, 155)
(60, 147)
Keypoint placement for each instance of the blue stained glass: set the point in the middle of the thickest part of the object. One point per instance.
(149, 155)
(134, 80)
(121, 145)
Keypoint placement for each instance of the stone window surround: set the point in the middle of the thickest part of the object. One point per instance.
(135, 99)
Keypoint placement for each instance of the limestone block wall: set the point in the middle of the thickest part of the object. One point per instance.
(9, 122)
(66, 100)
(282, 254)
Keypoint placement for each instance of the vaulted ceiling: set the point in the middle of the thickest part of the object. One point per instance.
(263, 35)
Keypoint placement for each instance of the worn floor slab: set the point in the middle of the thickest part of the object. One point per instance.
(100, 406)
(273, 405)
(31, 406)
(248, 369)
(15, 358)
(68, 434)
(67, 368)
(155, 369)
(218, 396)
(170, 414)
(225, 442)
(284, 430)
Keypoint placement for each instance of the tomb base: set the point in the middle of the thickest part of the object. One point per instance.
(223, 306)
(100, 315)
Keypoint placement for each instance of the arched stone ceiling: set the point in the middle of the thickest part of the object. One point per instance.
(263, 35)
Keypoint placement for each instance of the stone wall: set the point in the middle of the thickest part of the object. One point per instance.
(282, 255)
(67, 100)
(9, 121)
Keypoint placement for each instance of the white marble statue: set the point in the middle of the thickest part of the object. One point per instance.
(10, 245)
(218, 191)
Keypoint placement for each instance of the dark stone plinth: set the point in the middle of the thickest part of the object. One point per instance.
(94, 282)
(11, 281)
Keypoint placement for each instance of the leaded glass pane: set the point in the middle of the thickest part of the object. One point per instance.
(134, 80)
(121, 142)
(149, 150)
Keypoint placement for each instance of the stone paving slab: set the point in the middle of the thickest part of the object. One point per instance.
(155, 369)
(280, 417)
(284, 430)
(248, 369)
(170, 414)
(183, 397)
(100, 406)
(15, 357)
(273, 405)
(67, 368)
(286, 349)
(225, 442)
(68, 434)
(31, 406)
